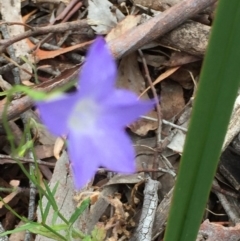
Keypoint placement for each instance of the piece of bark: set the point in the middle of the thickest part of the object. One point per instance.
(190, 37)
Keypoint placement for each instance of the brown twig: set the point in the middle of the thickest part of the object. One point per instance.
(10, 159)
(16, 23)
(69, 11)
(158, 26)
(62, 27)
(159, 113)
(72, 11)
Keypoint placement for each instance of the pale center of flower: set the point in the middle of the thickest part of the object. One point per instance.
(84, 116)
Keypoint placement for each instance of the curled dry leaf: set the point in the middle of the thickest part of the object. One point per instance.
(14, 183)
(58, 147)
(102, 16)
(142, 126)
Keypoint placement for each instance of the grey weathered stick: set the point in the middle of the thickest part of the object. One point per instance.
(226, 205)
(144, 229)
(162, 215)
(157, 26)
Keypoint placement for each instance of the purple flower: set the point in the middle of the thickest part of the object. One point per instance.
(94, 118)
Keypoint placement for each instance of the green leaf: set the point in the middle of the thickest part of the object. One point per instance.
(79, 211)
(213, 106)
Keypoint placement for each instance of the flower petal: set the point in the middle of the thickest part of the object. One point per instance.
(84, 160)
(116, 151)
(99, 72)
(55, 113)
(105, 147)
(123, 107)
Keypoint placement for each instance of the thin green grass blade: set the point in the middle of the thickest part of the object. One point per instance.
(217, 91)
(52, 200)
(37, 228)
(48, 206)
(79, 211)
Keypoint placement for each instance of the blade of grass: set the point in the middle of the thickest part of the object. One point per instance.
(48, 205)
(217, 91)
(79, 211)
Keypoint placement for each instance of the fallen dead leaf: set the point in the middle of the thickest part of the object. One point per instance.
(184, 75)
(214, 231)
(163, 76)
(142, 126)
(127, 23)
(130, 77)
(154, 60)
(101, 17)
(43, 151)
(172, 100)
(40, 54)
(180, 58)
